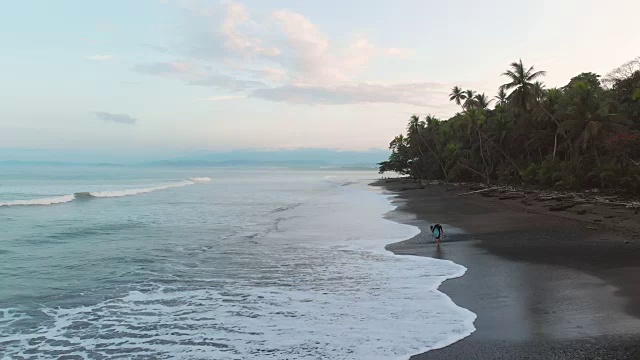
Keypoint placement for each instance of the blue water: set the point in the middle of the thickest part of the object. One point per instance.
(211, 263)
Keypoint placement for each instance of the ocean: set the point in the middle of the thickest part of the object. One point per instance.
(106, 262)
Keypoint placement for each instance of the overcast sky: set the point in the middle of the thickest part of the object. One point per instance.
(184, 75)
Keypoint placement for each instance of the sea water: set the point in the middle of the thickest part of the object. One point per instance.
(122, 262)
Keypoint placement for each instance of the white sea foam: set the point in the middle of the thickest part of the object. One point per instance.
(42, 201)
(104, 194)
(323, 287)
(200, 179)
(130, 192)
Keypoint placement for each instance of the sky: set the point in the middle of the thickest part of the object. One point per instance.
(170, 76)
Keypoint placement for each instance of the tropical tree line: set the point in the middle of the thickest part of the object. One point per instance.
(585, 134)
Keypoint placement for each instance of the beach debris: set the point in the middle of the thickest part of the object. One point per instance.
(478, 191)
(512, 195)
(564, 199)
(562, 206)
(431, 182)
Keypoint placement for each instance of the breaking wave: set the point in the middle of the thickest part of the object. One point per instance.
(200, 179)
(42, 201)
(130, 192)
(85, 195)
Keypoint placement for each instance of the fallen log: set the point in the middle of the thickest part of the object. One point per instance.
(479, 191)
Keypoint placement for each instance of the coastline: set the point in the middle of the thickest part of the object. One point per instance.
(544, 284)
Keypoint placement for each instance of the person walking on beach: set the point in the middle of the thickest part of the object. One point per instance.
(437, 231)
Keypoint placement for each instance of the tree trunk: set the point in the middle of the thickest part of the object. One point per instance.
(475, 171)
(513, 163)
(484, 161)
(444, 171)
(555, 144)
(417, 170)
(555, 137)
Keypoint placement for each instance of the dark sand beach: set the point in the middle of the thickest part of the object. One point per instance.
(545, 284)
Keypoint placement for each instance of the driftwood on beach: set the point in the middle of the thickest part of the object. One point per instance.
(564, 200)
(478, 191)
(557, 200)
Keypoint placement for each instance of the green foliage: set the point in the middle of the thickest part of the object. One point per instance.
(603, 176)
(530, 174)
(570, 175)
(581, 135)
(546, 171)
(630, 180)
(591, 79)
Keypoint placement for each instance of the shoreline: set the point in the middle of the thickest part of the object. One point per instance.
(391, 197)
(543, 286)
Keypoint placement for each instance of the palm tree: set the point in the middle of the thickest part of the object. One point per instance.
(588, 117)
(524, 89)
(470, 101)
(415, 131)
(414, 126)
(500, 127)
(475, 118)
(538, 90)
(548, 112)
(457, 95)
(433, 126)
(414, 134)
(482, 101)
(501, 97)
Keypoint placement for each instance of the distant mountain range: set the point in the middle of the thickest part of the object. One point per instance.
(300, 158)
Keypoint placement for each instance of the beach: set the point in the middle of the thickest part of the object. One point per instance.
(545, 284)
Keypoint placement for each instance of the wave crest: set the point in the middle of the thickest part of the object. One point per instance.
(200, 179)
(42, 201)
(85, 195)
(130, 192)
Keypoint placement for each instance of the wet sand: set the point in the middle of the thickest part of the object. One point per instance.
(544, 284)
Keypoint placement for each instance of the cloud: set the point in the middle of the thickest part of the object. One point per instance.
(117, 118)
(282, 56)
(225, 97)
(226, 82)
(226, 30)
(284, 40)
(309, 48)
(200, 75)
(317, 61)
(162, 68)
(235, 38)
(274, 75)
(99, 57)
(418, 94)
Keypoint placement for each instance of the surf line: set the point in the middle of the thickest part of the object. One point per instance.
(102, 194)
